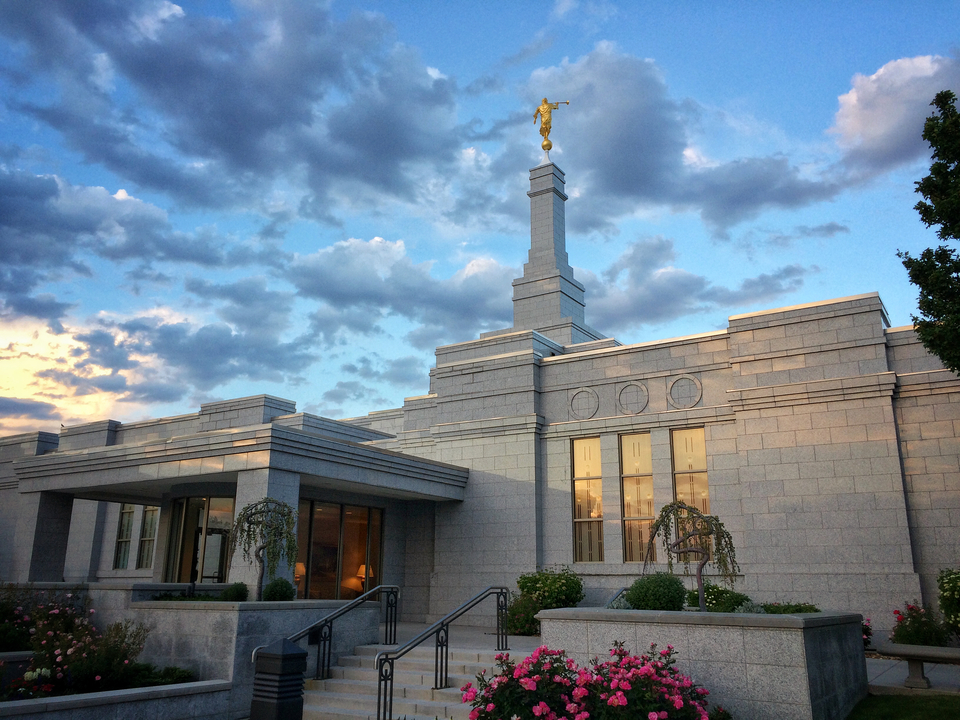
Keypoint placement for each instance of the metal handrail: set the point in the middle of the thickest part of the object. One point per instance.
(386, 659)
(321, 632)
(619, 594)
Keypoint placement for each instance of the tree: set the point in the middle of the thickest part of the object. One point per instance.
(269, 528)
(693, 537)
(936, 272)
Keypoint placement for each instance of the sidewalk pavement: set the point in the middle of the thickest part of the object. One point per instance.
(886, 677)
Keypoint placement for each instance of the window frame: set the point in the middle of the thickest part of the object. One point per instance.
(594, 523)
(121, 548)
(639, 519)
(146, 545)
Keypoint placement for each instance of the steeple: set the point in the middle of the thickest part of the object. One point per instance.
(548, 298)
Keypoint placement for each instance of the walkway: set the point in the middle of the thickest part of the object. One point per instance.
(886, 677)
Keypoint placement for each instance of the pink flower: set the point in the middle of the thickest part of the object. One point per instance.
(97, 677)
(541, 709)
(650, 716)
(490, 707)
(528, 684)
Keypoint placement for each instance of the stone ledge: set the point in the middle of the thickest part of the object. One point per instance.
(682, 617)
(59, 705)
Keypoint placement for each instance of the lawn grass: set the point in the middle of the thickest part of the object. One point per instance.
(906, 707)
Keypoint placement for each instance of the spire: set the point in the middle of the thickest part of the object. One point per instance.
(548, 298)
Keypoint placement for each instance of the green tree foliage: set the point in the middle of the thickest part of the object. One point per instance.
(266, 530)
(936, 272)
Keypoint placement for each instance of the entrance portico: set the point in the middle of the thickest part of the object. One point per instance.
(289, 457)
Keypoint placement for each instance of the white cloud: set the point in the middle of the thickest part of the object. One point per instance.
(150, 23)
(880, 120)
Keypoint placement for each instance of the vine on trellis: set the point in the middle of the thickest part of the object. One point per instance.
(268, 527)
(694, 531)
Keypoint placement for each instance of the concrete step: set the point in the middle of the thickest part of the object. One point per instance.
(351, 691)
(368, 686)
(318, 706)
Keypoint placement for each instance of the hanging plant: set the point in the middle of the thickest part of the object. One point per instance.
(695, 533)
(266, 530)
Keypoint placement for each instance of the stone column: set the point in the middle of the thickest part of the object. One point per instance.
(254, 485)
(86, 541)
(43, 527)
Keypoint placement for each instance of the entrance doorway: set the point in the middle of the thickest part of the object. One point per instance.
(339, 554)
(199, 538)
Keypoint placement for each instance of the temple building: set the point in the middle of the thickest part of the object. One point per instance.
(825, 441)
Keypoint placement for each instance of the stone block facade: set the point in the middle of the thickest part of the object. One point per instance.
(825, 441)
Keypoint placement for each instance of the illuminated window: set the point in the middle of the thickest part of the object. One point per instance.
(690, 475)
(690, 469)
(588, 501)
(148, 537)
(121, 553)
(636, 487)
(339, 550)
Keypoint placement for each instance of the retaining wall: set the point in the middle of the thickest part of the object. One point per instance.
(807, 666)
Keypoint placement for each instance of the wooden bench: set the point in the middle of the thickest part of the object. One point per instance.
(916, 655)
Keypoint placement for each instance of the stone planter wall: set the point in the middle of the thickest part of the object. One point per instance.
(790, 667)
(215, 640)
(208, 700)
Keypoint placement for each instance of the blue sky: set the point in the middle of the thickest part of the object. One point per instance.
(208, 200)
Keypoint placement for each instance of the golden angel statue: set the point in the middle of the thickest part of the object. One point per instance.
(545, 111)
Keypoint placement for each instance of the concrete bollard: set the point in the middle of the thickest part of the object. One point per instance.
(278, 682)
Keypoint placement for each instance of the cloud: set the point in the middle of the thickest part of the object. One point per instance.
(403, 371)
(630, 142)
(643, 287)
(879, 123)
(215, 112)
(359, 283)
(350, 391)
(826, 230)
(249, 305)
(32, 409)
(49, 227)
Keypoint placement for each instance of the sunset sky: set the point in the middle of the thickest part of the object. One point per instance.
(208, 200)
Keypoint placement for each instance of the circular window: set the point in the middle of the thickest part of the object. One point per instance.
(684, 392)
(633, 398)
(584, 404)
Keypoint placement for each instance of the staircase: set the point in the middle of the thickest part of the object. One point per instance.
(351, 692)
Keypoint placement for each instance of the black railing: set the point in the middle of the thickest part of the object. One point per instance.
(387, 659)
(321, 632)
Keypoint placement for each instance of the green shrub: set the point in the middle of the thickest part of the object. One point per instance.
(520, 615)
(237, 592)
(183, 597)
(717, 598)
(660, 591)
(789, 608)
(948, 583)
(552, 588)
(750, 607)
(918, 626)
(279, 589)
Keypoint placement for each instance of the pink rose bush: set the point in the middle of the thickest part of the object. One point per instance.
(71, 656)
(547, 685)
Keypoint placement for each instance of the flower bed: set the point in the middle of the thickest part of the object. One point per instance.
(550, 686)
(70, 656)
(792, 667)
